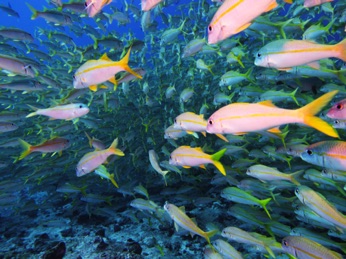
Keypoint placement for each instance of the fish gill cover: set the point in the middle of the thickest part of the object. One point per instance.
(225, 117)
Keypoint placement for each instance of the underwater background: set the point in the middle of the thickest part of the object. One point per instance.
(51, 209)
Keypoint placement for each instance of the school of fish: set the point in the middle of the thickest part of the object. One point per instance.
(255, 88)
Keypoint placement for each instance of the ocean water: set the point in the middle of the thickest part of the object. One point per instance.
(52, 206)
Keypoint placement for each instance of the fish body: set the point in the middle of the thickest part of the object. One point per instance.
(287, 53)
(328, 154)
(7, 127)
(94, 72)
(234, 16)
(154, 161)
(316, 202)
(147, 5)
(241, 118)
(190, 122)
(49, 146)
(93, 7)
(304, 248)
(62, 112)
(182, 220)
(173, 133)
(312, 3)
(90, 161)
(16, 66)
(186, 156)
(16, 34)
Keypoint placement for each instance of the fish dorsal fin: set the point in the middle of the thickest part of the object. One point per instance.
(201, 115)
(267, 103)
(275, 130)
(105, 57)
(182, 208)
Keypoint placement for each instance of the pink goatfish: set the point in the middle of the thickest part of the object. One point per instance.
(338, 111)
(186, 157)
(234, 16)
(147, 5)
(93, 7)
(16, 66)
(94, 72)
(90, 161)
(311, 3)
(241, 118)
(49, 146)
(284, 54)
(62, 112)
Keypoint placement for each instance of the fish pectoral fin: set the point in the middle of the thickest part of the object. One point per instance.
(105, 57)
(267, 103)
(244, 27)
(222, 137)
(284, 69)
(272, 6)
(314, 65)
(239, 133)
(204, 133)
(93, 88)
(275, 130)
(185, 166)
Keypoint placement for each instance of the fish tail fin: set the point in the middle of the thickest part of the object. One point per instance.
(124, 63)
(210, 234)
(269, 250)
(308, 113)
(90, 140)
(113, 148)
(293, 96)
(33, 10)
(111, 177)
(33, 113)
(83, 189)
(264, 205)
(216, 157)
(294, 175)
(342, 47)
(288, 1)
(26, 149)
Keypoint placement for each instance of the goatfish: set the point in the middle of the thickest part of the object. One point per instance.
(327, 154)
(302, 247)
(182, 220)
(234, 16)
(312, 3)
(186, 157)
(93, 7)
(61, 112)
(103, 172)
(240, 196)
(50, 146)
(154, 161)
(147, 5)
(191, 123)
(318, 203)
(94, 72)
(90, 161)
(16, 67)
(266, 173)
(241, 118)
(285, 54)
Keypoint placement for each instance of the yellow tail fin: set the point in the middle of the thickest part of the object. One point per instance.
(308, 113)
(27, 149)
(124, 63)
(113, 148)
(342, 46)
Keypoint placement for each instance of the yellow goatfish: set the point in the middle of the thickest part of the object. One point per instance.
(241, 118)
(182, 220)
(94, 72)
(234, 16)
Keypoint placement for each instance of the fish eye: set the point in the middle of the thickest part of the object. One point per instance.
(81, 106)
(85, 4)
(297, 191)
(336, 122)
(210, 122)
(210, 28)
(339, 106)
(175, 120)
(309, 152)
(259, 55)
(284, 242)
